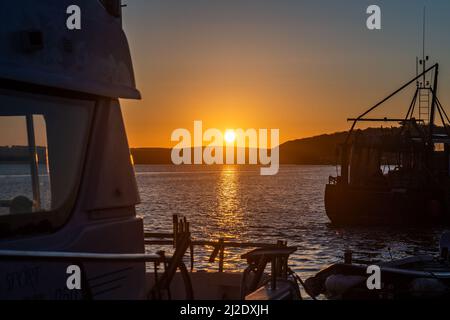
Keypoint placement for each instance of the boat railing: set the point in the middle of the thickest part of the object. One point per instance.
(219, 246)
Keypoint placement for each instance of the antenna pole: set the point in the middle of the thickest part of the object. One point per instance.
(423, 43)
(417, 71)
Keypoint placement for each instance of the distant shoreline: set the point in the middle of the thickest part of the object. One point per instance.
(318, 150)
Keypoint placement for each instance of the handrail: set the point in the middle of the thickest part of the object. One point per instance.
(219, 245)
(78, 256)
(231, 244)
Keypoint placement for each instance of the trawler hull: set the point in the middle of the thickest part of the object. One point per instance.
(347, 205)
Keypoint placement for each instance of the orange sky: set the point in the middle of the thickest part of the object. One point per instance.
(301, 68)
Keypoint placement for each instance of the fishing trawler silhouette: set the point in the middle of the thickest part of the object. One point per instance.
(413, 187)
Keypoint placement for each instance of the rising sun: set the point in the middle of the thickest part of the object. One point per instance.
(230, 136)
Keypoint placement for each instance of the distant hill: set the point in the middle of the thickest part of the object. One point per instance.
(314, 150)
(318, 150)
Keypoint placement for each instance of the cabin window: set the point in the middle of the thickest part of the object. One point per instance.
(42, 146)
(24, 174)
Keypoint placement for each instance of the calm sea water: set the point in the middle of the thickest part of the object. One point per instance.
(237, 203)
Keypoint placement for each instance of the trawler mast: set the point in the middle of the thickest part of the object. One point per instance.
(424, 86)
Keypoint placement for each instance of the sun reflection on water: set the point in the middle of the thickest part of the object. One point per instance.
(229, 211)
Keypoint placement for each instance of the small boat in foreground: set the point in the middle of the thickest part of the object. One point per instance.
(422, 277)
